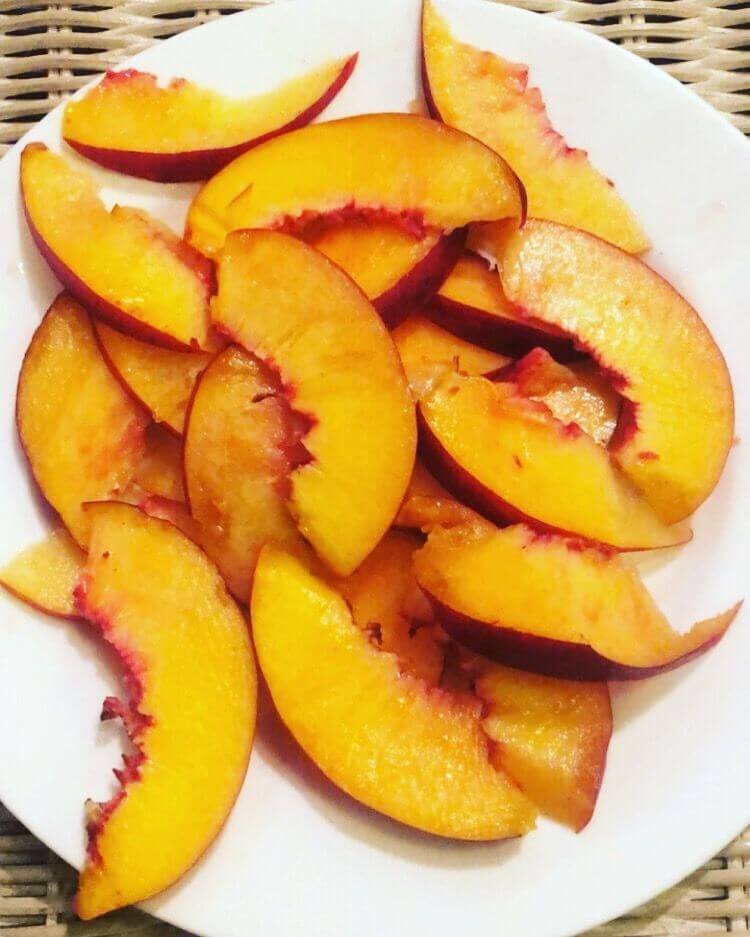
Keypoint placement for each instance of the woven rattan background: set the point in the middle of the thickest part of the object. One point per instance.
(50, 49)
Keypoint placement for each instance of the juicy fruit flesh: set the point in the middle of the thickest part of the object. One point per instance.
(471, 303)
(393, 268)
(160, 470)
(375, 256)
(551, 736)
(191, 676)
(162, 379)
(488, 97)
(513, 461)
(136, 276)
(45, 574)
(398, 167)
(129, 111)
(427, 504)
(427, 351)
(383, 737)
(237, 458)
(577, 393)
(678, 421)
(386, 603)
(286, 303)
(82, 433)
(555, 588)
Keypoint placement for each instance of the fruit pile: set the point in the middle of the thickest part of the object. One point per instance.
(405, 389)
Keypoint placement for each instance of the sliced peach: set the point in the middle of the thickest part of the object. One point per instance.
(239, 446)
(140, 277)
(415, 753)
(677, 420)
(45, 574)
(83, 435)
(176, 512)
(393, 268)
(191, 683)
(488, 97)
(551, 736)
(549, 604)
(511, 460)
(286, 303)
(160, 470)
(181, 132)
(471, 303)
(385, 167)
(162, 379)
(427, 504)
(386, 603)
(426, 350)
(577, 393)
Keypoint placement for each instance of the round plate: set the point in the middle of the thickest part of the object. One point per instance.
(295, 860)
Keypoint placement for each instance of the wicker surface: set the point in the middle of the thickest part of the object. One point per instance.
(48, 50)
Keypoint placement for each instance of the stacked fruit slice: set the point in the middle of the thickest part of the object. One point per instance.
(225, 420)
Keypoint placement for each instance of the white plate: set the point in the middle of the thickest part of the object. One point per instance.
(294, 860)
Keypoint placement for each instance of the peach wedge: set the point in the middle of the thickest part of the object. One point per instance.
(427, 505)
(162, 379)
(160, 470)
(471, 303)
(181, 132)
(577, 393)
(83, 435)
(510, 459)
(677, 422)
(388, 605)
(239, 449)
(190, 676)
(46, 574)
(548, 604)
(551, 736)
(411, 752)
(426, 351)
(488, 97)
(140, 277)
(384, 167)
(295, 310)
(394, 269)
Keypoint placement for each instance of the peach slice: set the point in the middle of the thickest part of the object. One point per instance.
(45, 574)
(286, 303)
(551, 736)
(393, 268)
(141, 278)
(239, 449)
(190, 678)
(387, 604)
(412, 752)
(384, 167)
(83, 435)
(427, 505)
(176, 512)
(182, 132)
(488, 97)
(471, 303)
(426, 351)
(160, 470)
(162, 379)
(677, 420)
(578, 393)
(507, 457)
(552, 605)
